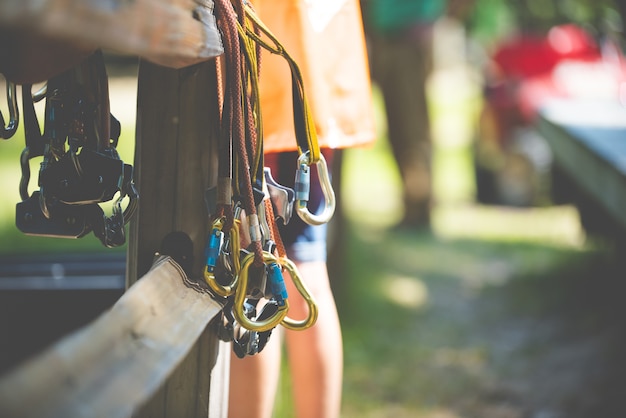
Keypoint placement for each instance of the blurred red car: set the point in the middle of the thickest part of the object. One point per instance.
(512, 161)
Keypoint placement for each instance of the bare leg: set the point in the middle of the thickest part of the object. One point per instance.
(315, 354)
(253, 382)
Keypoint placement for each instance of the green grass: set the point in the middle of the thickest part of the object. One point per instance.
(419, 311)
(415, 306)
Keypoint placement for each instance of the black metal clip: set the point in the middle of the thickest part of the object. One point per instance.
(81, 166)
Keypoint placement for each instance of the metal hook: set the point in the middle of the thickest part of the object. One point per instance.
(8, 131)
(240, 299)
(302, 188)
(40, 94)
(310, 320)
(214, 251)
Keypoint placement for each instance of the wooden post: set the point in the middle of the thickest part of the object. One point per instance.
(177, 125)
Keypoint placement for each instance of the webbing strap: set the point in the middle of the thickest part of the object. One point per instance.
(306, 135)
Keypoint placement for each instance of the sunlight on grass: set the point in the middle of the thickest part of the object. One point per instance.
(559, 225)
(9, 182)
(402, 411)
(370, 193)
(407, 292)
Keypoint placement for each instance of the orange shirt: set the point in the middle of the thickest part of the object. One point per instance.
(325, 38)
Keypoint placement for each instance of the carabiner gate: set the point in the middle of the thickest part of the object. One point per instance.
(240, 299)
(302, 188)
(214, 251)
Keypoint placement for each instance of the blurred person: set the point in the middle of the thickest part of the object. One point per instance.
(326, 40)
(400, 41)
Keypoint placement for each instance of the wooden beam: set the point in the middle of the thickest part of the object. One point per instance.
(173, 33)
(112, 366)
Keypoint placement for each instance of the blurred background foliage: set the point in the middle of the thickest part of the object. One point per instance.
(489, 20)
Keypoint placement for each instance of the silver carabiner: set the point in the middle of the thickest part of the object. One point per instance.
(14, 115)
(302, 188)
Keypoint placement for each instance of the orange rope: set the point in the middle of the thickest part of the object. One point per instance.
(239, 111)
(280, 246)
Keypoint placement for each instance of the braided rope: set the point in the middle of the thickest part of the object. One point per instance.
(240, 113)
(275, 233)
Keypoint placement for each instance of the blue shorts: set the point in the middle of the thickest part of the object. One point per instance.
(303, 242)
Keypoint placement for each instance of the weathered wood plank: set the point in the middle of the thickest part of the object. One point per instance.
(177, 128)
(174, 33)
(112, 366)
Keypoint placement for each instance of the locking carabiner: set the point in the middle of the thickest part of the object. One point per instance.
(240, 299)
(8, 131)
(309, 321)
(214, 251)
(302, 189)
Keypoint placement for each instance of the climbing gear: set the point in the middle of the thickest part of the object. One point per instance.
(239, 308)
(302, 186)
(81, 167)
(245, 257)
(221, 249)
(8, 130)
(282, 197)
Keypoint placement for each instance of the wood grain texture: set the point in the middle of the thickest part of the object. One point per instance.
(174, 157)
(173, 33)
(115, 364)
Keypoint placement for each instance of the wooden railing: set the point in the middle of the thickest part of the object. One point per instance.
(117, 363)
(173, 33)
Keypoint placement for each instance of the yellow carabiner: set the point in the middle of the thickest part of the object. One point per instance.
(302, 191)
(240, 298)
(295, 277)
(214, 252)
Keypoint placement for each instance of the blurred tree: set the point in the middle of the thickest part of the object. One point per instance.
(493, 19)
